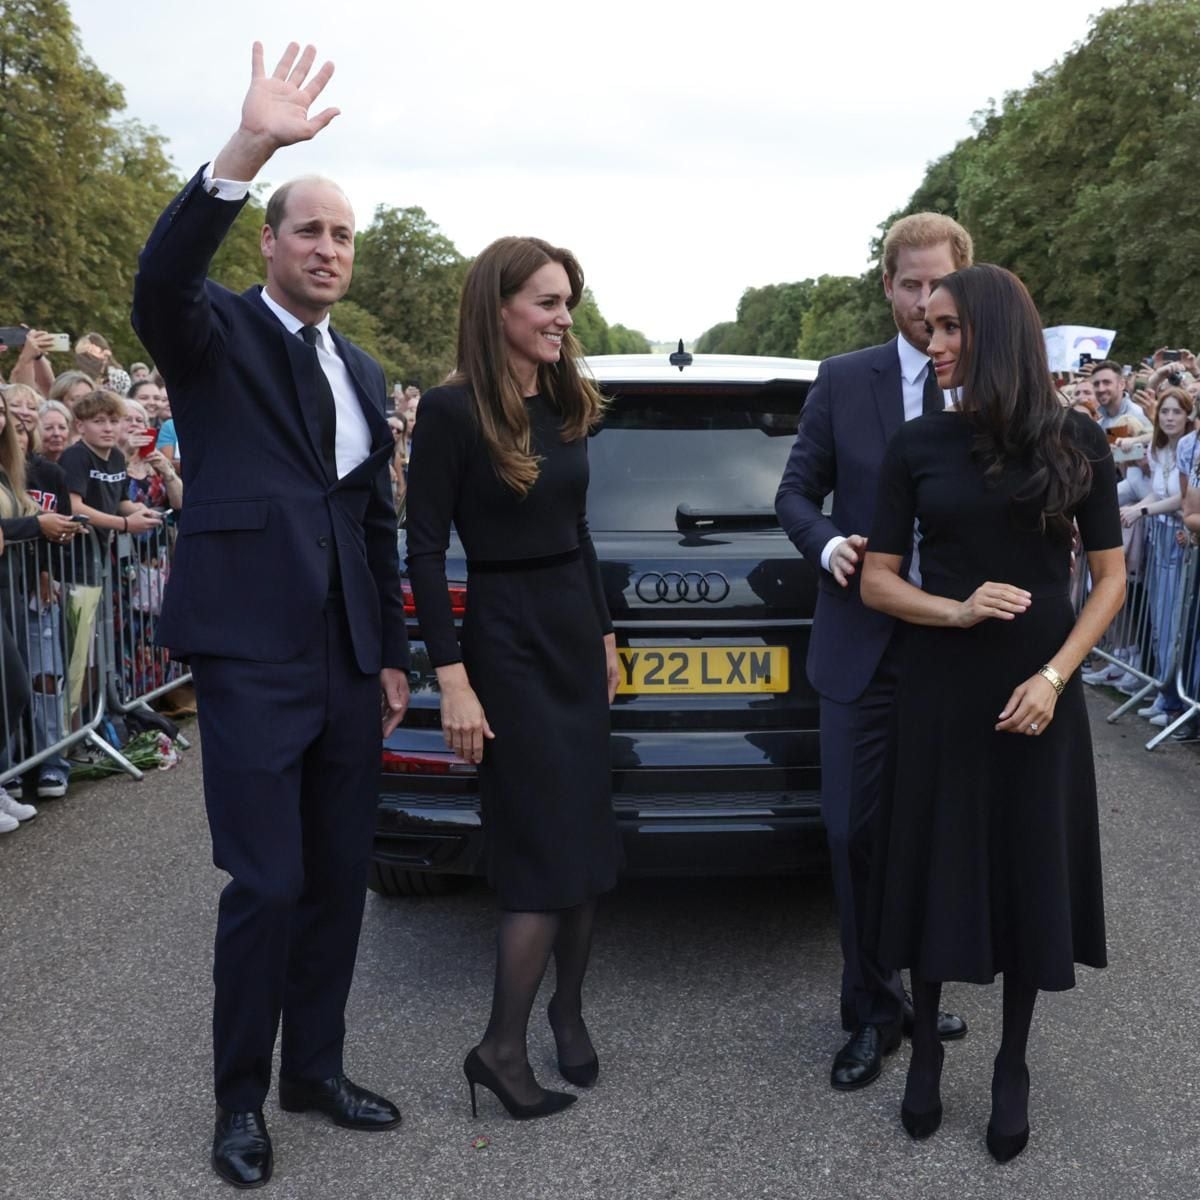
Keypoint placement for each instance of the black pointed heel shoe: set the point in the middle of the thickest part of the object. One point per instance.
(920, 1125)
(582, 1075)
(1004, 1147)
(477, 1071)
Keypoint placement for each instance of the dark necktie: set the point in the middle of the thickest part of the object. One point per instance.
(326, 410)
(932, 399)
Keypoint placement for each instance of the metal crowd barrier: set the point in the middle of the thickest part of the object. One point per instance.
(137, 573)
(1151, 645)
(1187, 649)
(77, 628)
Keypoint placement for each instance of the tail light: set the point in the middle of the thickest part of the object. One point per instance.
(456, 591)
(405, 762)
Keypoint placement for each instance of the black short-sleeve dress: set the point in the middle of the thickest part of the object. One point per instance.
(988, 847)
(532, 645)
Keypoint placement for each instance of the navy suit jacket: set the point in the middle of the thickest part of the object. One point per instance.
(262, 513)
(851, 412)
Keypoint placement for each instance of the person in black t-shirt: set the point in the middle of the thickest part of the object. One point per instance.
(96, 482)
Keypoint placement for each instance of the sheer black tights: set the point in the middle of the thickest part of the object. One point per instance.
(524, 943)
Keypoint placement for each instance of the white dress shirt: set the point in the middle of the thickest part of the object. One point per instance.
(352, 442)
(915, 365)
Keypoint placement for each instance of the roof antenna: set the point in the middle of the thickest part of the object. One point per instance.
(681, 358)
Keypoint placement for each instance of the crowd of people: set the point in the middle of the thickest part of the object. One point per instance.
(93, 447)
(1149, 412)
(97, 441)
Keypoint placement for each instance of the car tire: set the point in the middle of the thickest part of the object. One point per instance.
(396, 881)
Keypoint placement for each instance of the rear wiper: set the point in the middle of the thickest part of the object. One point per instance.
(746, 516)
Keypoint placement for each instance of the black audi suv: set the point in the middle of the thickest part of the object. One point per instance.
(715, 764)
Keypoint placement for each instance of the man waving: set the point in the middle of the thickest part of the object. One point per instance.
(285, 598)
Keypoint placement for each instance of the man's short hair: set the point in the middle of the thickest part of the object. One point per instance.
(101, 402)
(920, 231)
(1106, 364)
(277, 204)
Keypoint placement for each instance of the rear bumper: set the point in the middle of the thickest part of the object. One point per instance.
(434, 825)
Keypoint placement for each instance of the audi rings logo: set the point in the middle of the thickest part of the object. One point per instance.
(689, 587)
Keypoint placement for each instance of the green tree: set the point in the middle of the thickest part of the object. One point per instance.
(768, 322)
(595, 334)
(726, 337)
(408, 275)
(1081, 182)
(833, 322)
(627, 341)
(79, 191)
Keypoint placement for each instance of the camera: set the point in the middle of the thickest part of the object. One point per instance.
(1170, 356)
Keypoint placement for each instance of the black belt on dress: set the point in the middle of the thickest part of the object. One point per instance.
(483, 566)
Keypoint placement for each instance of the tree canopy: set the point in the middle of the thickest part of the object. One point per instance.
(1080, 183)
(81, 188)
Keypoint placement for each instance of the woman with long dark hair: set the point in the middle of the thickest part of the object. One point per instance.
(501, 452)
(989, 850)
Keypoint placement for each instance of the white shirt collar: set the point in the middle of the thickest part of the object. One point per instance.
(912, 361)
(292, 323)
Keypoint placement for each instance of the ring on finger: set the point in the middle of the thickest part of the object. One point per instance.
(1033, 728)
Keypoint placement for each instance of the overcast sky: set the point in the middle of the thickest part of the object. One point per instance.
(684, 151)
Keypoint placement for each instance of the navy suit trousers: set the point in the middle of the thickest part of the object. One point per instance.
(853, 746)
(291, 762)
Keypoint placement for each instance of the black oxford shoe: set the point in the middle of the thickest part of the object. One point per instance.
(241, 1151)
(949, 1027)
(343, 1102)
(860, 1060)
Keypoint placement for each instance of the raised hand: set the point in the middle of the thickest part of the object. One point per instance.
(275, 111)
(276, 106)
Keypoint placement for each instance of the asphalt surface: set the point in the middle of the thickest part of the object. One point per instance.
(713, 1004)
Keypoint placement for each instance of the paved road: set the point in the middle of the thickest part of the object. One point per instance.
(713, 1004)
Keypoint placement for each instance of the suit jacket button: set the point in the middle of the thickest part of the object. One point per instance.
(322, 542)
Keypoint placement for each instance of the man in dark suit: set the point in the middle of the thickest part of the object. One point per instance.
(285, 597)
(853, 408)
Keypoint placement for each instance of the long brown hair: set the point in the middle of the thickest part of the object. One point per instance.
(1183, 399)
(14, 500)
(1009, 397)
(483, 361)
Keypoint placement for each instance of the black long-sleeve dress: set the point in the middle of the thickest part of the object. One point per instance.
(988, 847)
(532, 646)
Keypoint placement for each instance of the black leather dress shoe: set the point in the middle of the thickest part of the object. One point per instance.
(950, 1027)
(241, 1151)
(860, 1060)
(343, 1102)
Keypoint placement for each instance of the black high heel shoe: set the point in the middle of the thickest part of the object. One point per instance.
(477, 1071)
(920, 1125)
(1004, 1147)
(583, 1074)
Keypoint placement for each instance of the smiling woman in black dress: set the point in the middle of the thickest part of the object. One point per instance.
(989, 843)
(501, 452)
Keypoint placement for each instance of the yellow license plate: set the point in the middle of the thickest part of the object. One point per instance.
(667, 669)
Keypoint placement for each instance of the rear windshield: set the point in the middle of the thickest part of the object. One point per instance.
(712, 450)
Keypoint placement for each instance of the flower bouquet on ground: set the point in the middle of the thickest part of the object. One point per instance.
(147, 751)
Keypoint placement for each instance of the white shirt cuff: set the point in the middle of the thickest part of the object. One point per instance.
(830, 547)
(224, 189)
